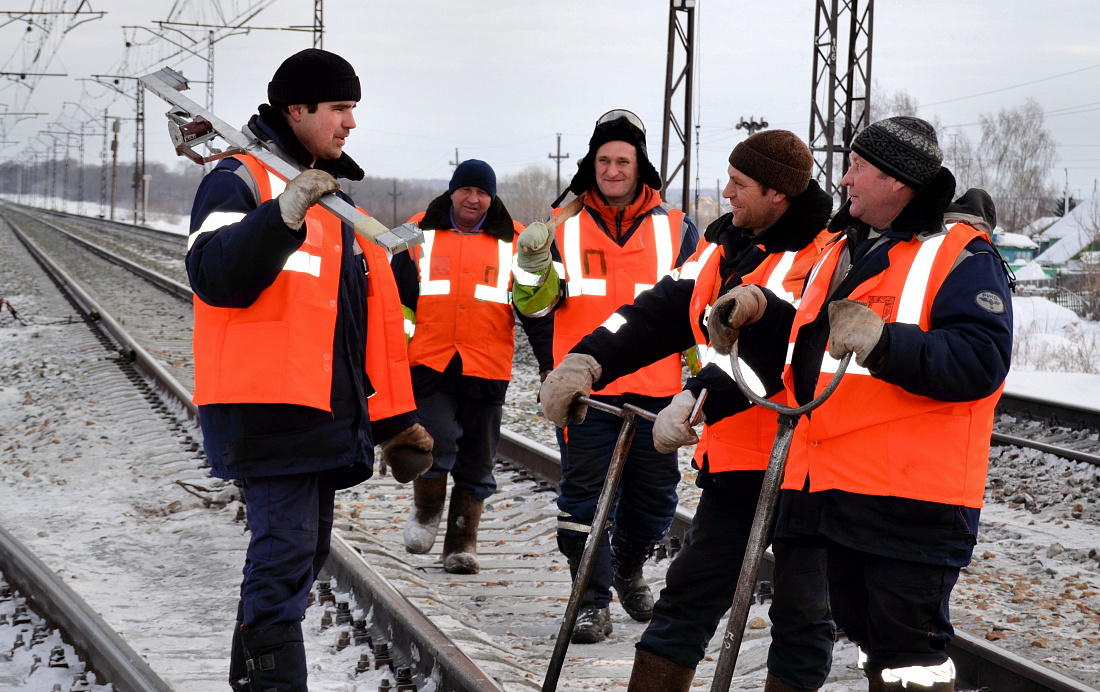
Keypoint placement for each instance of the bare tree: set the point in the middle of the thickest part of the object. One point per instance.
(528, 193)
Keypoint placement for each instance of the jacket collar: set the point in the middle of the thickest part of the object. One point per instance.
(922, 216)
(794, 230)
(271, 128)
(498, 222)
(646, 200)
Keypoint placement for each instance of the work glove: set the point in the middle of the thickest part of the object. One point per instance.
(534, 248)
(672, 429)
(853, 328)
(302, 193)
(408, 453)
(571, 379)
(739, 307)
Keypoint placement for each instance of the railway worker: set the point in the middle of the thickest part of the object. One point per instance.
(285, 299)
(621, 243)
(456, 294)
(771, 237)
(884, 482)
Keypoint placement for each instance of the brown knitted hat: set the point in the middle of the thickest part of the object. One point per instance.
(777, 159)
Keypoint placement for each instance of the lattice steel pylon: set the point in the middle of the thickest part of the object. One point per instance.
(681, 30)
(839, 100)
(318, 23)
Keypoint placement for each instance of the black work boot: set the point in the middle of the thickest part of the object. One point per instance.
(593, 625)
(238, 662)
(628, 554)
(276, 658)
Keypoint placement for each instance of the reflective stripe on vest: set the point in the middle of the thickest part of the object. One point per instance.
(498, 293)
(428, 287)
(571, 256)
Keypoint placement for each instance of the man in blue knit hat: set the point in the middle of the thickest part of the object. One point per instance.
(456, 294)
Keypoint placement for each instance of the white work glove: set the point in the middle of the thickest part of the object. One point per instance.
(408, 453)
(302, 193)
(739, 307)
(672, 429)
(534, 248)
(571, 379)
(853, 328)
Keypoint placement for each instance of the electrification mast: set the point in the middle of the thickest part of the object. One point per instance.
(681, 30)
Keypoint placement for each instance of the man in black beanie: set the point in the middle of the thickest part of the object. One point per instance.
(623, 242)
(884, 481)
(285, 299)
(455, 291)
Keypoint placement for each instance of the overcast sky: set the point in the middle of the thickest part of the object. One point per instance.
(497, 79)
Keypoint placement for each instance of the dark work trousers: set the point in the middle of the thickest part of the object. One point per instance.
(466, 433)
(646, 494)
(895, 610)
(291, 522)
(701, 580)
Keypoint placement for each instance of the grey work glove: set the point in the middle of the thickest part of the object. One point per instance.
(302, 193)
(534, 248)
(672, 429)
(408, 453)
(853, 328)
(739, 307)
(571, 379)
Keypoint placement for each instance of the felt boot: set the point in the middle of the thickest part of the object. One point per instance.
(460, 543)
(655, 674)
(422, 526)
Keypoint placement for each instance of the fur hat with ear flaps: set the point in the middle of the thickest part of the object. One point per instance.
(617, 130)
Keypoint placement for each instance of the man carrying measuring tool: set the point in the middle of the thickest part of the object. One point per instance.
(621, 243)
(884, 481)
(771, 237)
(285, 299)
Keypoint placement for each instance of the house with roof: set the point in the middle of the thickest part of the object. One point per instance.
(1072, 240)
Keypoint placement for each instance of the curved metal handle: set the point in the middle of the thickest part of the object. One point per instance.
(780, 408)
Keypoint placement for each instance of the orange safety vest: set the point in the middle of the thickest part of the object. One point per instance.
(465, 303)
(279, 349)
(743, 441)
(600, 277)
(874, 438)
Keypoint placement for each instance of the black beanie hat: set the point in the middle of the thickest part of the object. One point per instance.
(903, 146)
(474, 173)
(313, 76)
(777, 159)
(616, 130)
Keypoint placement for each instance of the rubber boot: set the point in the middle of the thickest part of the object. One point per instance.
(460, 543)
(238, 662)
(277, 658)
(774, 684)
(652, 673)
(627, 557)
(422, 526)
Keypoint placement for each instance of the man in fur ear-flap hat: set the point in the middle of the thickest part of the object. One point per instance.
(771, 237)
(622, 242)
(299, 369)
(884, 481)
(455, 291)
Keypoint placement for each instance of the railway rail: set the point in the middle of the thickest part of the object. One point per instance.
(401, 589)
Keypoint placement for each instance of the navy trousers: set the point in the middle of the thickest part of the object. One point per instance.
(466, 433)
(895, 610)
(702, 578)
(646, 494)
(291, 522)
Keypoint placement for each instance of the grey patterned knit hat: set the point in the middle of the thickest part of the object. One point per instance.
(904, 147)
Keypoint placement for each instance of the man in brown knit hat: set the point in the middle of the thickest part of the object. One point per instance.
(770, 238)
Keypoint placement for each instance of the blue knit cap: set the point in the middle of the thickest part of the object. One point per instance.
(474, 173)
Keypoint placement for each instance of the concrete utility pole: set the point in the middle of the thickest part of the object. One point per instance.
(395, 194)
(115, 127)
(457, 160)
(833, 97)
(682, 32)
(558, 157)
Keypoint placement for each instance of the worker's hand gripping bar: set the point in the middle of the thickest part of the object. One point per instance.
(762, 521)
(190, 125)
(630, 415)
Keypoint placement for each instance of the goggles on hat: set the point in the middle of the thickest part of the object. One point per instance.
(621, 113)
